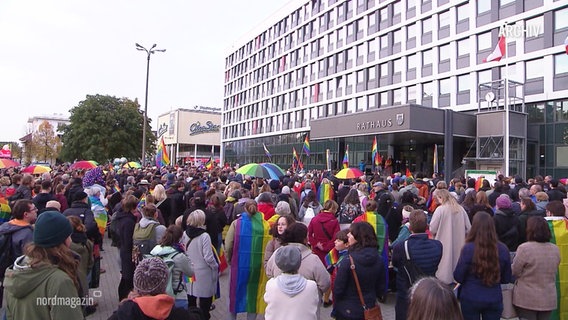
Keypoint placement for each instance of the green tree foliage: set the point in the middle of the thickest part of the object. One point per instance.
(45, 145)
(103, 127)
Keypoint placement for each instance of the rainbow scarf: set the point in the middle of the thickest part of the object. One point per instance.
(559, 231)
(381, 230)
(325, 193)
(248, 278)
(5, 210)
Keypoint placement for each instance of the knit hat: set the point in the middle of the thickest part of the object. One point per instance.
(51, 229)
(79, 195)
(288, 259)
(503, 202)
(285, 190)
(151, 277)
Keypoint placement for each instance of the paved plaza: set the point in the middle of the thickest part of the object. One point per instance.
(107, 294)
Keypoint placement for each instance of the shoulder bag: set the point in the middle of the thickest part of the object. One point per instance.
(369, 314)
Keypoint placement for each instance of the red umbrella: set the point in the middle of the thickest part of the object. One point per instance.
(84, 164)
(7, 163)
(36, 169)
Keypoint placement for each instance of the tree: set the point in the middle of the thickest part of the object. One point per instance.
(103, 127)
(45, 144)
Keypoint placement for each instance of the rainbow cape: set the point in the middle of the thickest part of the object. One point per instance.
(381, 230)
(5, 210)
(248, 278)
(325, 193)
(559, 231)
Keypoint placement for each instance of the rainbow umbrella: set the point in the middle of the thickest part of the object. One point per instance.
(132, 165)
(255, 170)
(84, 164)
(349, 173)
(36, 169)
(274, 170)
(7, 163)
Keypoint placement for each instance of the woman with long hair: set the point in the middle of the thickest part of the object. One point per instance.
(276, 231)
(535, 267)
(310, 201)
(481, 204)
(170, 247)
(430, 299)
(48, 269)
(370, 271)
(449, 225)
(81, 245)
(528, 210)
(483, 265)
(164, 204)
(349, 209)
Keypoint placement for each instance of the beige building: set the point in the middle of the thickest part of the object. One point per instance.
(190, 134)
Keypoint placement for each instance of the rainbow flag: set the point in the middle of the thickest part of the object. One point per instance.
(325, 193)
(346, 158)
(248, 277)
(381, 230)
(162, 158)
(435, 159)
(307, 146)
(100, 214)
(221, 258)
(332, 258)
(209, 164)
(5, 210)
(116, 188)
(408, 174)
(141, 203)
(374, 152)
(266, 152)
(296, 161)
(187, 279)
(559, 230)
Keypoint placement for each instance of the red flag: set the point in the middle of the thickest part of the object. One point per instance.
(566, 44)
(498, 52)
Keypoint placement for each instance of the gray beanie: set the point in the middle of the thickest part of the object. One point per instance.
(151, 277)
(288, 259)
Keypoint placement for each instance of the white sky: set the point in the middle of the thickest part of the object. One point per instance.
(55, 52)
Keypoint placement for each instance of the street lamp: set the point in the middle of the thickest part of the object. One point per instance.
(149, 53)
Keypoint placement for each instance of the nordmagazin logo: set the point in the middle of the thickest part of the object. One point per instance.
(519, 31)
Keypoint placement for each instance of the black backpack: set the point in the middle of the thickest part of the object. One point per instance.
(412, 272)
(7, 256)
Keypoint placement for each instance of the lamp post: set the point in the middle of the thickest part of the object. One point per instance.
(149, 52)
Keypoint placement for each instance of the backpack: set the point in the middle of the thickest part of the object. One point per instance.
(349, 212)
(143, 241)
(412, 272)
(171, 289)
(7, 257)
(309, 214)
(113, 232)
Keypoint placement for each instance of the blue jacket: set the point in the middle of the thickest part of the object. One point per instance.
(371, 274)
(472, 289)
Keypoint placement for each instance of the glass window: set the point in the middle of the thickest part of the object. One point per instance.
(384, 98)
(505, 2)
(444, 52)
(534, 69)
(350, 29)
(384, 70)
(384, 14)
(427, 90)
(372, 73)
(463, 83)
(385, 41)
(410, 4)
(483, 6)
(412, 93)
(463, 47)
(560, 19)
(396, 8)
(411, 61)
(444, 19)
(372, 102)
(397, 36)
(484, 41)
(463, 14)
(397, 96)
(427, 57)
(351, 106)
(445, 86)
(397, 66)
(411, 31)
(373, 45)
(372, 19)
(535, 27)
(561, 111)
(560, 64)
(535, 112)
(426, 25)
(360, 76)
(484, 76)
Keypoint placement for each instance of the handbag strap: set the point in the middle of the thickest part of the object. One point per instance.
(357, 283)
(406, 250)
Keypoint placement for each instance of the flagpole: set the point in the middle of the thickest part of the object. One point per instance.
(507, 124)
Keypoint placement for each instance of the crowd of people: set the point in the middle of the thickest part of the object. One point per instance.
(286, 243)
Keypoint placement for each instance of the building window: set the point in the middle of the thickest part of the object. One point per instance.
(536, 26)
(411, 62)
(396, 8)
(426, 25)
(371, 101)
(384, 41)
(372, 19)
(411, 31)
(463, 47)
(534, 69)
(384, 69)
(372, 73)
(444, 52)
(444, 19)
(384, 14)
(445, 86)
(560, 64)
(360, 76)
(410, 4)
(372, 45)
(483, 6)
(384, 98)
(484, 76)
(397, 66)
(484, 41)
(427, 90)
(350, 29)
(463, 83)
(560, 19)
(463, 13)
(397, 96)
(503, 3)
(426, 57)
(412, 93)
(397, 37)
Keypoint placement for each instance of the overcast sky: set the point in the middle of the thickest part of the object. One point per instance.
(55, 52)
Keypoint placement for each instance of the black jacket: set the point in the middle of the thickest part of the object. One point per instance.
(508, 227)
(125, 228)
(371, 274)
(555, 194)
(130, 310)
(83, 211)
(41, 199)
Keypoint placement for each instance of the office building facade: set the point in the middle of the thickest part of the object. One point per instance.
(318, 67)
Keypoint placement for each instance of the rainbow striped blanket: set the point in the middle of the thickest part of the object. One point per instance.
(559, 230)
(381, 230)
(248, 278)
(325, 193)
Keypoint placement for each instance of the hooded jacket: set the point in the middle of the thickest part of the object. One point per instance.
(22, 234)
(150, 307)
(322, 229)
(182, 266)
(125, 229)
(371, 274)
(291, 296)
(508, 227)
(44, 292)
